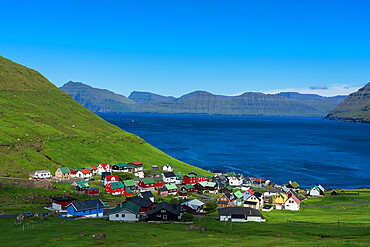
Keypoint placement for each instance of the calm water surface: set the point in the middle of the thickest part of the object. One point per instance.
(308, 150)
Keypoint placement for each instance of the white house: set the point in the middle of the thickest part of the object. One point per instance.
(240, 214)
(169, 177)
(293, 203)
(168, 168)
(139, 174)
(270, 192)
(110, 179)
(127, 211)
(84, 173)
(43, 174)
(104, 168)
(316, 191)
(235, 181)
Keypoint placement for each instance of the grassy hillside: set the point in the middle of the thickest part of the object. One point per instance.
(356, 107)
(43, 128)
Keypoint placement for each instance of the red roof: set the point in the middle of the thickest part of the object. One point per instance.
(94, 167)
(85, 171)
(105, 165)
(111, 178)
(295, 199)
(72, 171)
(251, 191)
(137, 163)
(259, 179)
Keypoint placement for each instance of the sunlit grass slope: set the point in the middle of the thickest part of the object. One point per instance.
(41, 127)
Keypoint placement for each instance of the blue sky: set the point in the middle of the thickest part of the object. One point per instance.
(175, 47)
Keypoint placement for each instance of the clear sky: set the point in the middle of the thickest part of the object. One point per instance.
(175, 47)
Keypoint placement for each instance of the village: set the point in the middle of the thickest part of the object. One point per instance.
(160, 194)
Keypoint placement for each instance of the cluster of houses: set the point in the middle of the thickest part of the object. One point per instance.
(241, 197)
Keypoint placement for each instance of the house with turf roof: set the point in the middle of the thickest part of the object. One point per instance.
(188, 188)
(110, 179)
(226, 200)
(63, 173)
(164, 211)
(115, 188)
(172, 189)
(293, 185)
(293, 203)
(129, 184)
(126, 211)
(169, 177)
(105, 167)
(146, 184)
(84, 174)
(121, 167)
(89, 208)
(80, 185)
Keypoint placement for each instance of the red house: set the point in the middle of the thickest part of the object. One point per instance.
(60, 203)
(92, 191)
(188, 188)
(193, 179)
(115, 188)
(147, 183)
(128, 192)
(110, 179)
(190, 179)
(158, 182)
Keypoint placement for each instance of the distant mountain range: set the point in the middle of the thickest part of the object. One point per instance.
(202, 102)
(356, 107)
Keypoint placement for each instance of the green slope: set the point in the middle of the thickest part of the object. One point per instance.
(41, 127)
(356, 107)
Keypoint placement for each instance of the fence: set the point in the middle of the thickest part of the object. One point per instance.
(339, 225)
(27, 225)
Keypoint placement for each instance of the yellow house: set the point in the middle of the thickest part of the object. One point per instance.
(280, 198)
(63, 173)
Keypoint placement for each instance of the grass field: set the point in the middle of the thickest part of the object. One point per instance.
(322, 229)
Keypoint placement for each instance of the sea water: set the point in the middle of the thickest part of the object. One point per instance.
(310, 151)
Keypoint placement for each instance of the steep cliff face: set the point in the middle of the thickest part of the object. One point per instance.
(97, 100)
(355, 108)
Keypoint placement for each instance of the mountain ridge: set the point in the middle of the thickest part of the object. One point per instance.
(248, 103)
(355, 108)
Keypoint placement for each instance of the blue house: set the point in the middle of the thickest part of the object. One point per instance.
(89, 208)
